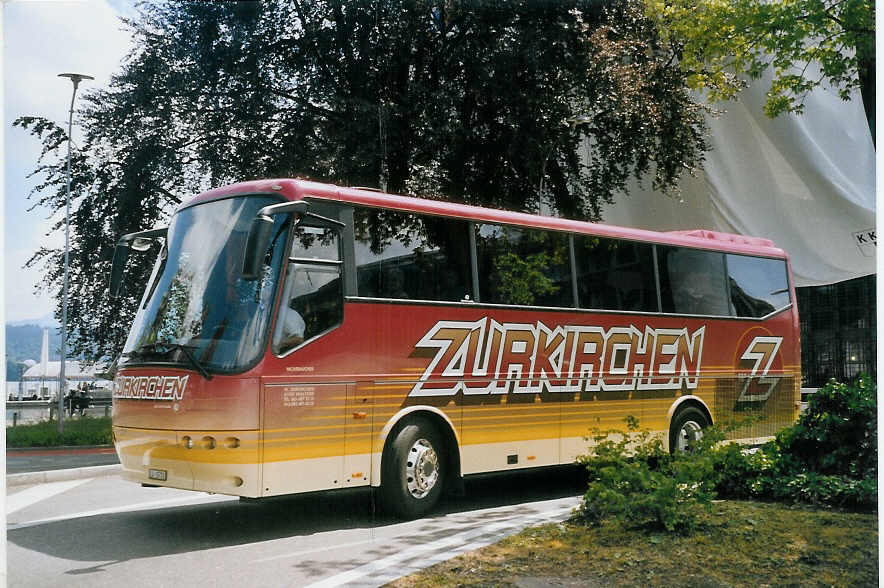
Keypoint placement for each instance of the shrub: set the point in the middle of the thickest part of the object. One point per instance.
(635, 480)
(82, 431)
(828, 457)
(815, 488)
(838, 433)
(741, 472)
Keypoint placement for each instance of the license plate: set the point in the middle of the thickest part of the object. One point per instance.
(157, 475)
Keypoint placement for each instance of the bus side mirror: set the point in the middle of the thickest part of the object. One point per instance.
(260, 233)
(256, 245)
(121, 255)
(140, 241)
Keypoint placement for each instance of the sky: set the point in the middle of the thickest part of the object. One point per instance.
(40, 40)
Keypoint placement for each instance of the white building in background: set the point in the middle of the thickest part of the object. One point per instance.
(42, 380)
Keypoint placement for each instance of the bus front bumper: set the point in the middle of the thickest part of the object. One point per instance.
(223, 462)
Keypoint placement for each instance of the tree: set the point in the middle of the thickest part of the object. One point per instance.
(718, 42)
(474, 102)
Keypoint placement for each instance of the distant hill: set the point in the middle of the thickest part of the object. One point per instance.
(47, 320)
(24, 342)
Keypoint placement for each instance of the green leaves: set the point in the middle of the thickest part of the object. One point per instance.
(807, 44)
(837, 434)
(633, 479)
(475, 102)
(829, 457)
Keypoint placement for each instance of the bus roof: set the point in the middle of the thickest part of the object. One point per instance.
(295, 189)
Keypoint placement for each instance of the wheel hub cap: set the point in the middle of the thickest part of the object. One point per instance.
(690, 433)
(421, 468)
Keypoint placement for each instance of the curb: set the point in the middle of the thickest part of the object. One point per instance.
(62, 475)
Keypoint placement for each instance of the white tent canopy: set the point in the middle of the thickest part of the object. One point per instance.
(806, 182)
(73, 370)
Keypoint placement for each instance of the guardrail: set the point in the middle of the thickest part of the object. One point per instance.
(26, 411)
(14, 404)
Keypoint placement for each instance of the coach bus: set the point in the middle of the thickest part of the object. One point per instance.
(296, 337)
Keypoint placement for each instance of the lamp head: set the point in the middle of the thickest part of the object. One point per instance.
(75, 77)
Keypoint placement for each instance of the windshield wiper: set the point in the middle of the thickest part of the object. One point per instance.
(163, 347)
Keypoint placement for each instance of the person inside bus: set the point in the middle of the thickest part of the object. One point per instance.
(702, 295)
(290, 325)
(289, 330)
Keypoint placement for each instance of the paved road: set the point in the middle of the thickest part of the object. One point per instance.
(107, 532)
(41, 460)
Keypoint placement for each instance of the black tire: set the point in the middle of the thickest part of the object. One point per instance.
(413, 471)
(686, 428)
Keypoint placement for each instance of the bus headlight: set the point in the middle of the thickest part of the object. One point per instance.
(187, 441)
(208, 443)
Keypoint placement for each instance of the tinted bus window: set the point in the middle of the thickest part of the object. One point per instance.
(312, 298)
(692, 281)
(415, 257)
(523, 267)
(758, 286)
(614, 274)
(315, 243)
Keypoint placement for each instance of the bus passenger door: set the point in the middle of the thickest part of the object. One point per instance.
(358, 443)
(303, 436)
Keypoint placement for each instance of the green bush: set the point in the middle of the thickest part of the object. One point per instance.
(85, 430)
(741, 472)
(635, 480)
(838, 433)
(828, 457)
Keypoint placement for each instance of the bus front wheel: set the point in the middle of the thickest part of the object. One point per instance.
(687, 429)
(413, 470)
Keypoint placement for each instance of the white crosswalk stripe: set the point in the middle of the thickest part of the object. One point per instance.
(38, 493)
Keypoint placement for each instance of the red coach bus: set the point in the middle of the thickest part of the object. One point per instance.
(297, 336)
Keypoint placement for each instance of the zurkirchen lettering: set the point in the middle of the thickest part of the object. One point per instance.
(487, 357)
(150, 387)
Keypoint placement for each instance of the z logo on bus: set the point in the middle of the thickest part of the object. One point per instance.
(759, 356)
(487, 357)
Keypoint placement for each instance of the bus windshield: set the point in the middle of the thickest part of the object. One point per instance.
(197, 310)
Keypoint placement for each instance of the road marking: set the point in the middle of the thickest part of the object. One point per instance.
(154, 504)
(446, 548)
(35, 494)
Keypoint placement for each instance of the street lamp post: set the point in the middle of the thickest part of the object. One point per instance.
(75, 79)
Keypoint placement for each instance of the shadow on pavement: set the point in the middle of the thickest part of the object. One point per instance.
(119, 537)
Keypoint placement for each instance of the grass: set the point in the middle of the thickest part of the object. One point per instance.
(85, 430)
(738, 544)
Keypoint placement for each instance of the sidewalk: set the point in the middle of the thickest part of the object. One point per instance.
(40, 464)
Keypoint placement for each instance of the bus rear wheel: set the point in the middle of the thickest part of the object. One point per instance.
(414, 470)
(687, 429)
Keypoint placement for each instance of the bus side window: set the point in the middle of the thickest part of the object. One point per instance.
(404, 256)
(614, 274)
(758, 285)
(693, 281)
(312, 298)
(524, 267)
